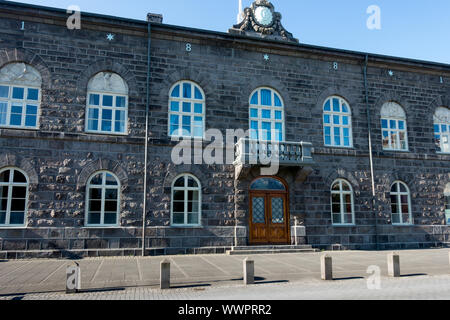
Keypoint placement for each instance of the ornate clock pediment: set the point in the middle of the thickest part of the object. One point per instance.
(262, 20)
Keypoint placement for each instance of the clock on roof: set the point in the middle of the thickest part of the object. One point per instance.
(263, 15)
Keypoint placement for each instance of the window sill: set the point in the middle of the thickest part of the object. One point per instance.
(186, 226)
(107, 133)
(101, 227)
(20, 128)
(3, 227)
(344, 225)
(403, 225)
(336, 147)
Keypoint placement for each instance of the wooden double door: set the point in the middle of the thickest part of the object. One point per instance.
(269, 217)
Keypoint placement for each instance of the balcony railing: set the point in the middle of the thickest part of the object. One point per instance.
(254, 152)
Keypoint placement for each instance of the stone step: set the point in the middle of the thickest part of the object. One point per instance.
(269, 251)
(273, 247)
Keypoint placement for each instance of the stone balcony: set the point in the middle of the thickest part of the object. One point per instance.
(253, 153)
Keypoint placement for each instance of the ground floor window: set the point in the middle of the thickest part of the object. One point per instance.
(401, 204)
(342, 203)
(186, 201)
(103, 200)
(13, 197)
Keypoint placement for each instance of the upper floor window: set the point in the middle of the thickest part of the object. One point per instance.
(107, 104)
(186, 201)
(401, 204)
(186, 110)
(342, 203)
(337, 119)
(102, 201)
(13, 197)
(266, 115)
(442, 129)
(393, 126)
(20, 96)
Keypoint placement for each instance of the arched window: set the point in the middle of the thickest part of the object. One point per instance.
(442, 129)
(20, 96)
(342, 203)
(447, 203)
(393, 125)
(186, 201)
(186, 110)
(102, 202)
(107, 104)
(337, 119)
(13, 197)
(401, 203)
(266, 115)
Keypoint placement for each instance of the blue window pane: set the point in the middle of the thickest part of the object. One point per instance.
(16, 120)
(186, 120)
(326, 119)
(198, 108)
(337, 136)
(16, 109)
(16, 218)
(345, 108)
(120, 115)
(277, 101)
(401, 125)
(175, 106)
(345, 121)
(30, 121)
(254, 113)
(266, 97)
(346, 132)
(279, 131)
(4, 92)
(266, 127)
(3, 109)
(198, 94)
(278, 115)
(186, 126)
(187, 90)
(254, 99)
(107, 101)
(328, 140)
(18, 93)
(393, 124)
(176, 92)
(94, 99)
(174, 130)
(336, 105)
(328, 131)
(186, 107)
(107, 114)
(120, 102)
(444, 128)
(254, 130)
(33, 94)
(384, 124)
(346, 141)
(327, 106)
(31, 110)
(336, 119)
(266, 114)
(119, 126)
(174, 120)
(93, 125)
(106, 125)
(93, 113)
(2, 217)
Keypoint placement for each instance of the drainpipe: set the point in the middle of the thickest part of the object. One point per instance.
(144, 211)
(369, 129)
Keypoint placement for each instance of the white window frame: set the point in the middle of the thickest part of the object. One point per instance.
(399, 195)
(394, 116)
(273, 121)
(186, 190)
(103, 188)
(100, 108)
(445, 147)
(24, 102)
(342, 203)
(10, 186)
(191, 114)
(341, 126)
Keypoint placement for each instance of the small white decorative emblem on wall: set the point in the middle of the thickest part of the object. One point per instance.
(110, 37)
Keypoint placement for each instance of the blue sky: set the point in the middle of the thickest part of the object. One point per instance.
(417, 29)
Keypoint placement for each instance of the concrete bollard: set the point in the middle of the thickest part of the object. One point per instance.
(249, 272)
(73, 279)
(394, 265)
(326, 262)
(165, 275)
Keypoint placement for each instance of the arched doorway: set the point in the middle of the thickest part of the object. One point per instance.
(269, 212)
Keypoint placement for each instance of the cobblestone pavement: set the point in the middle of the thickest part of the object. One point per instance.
(288, 276)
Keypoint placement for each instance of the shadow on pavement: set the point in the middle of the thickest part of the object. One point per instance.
(269, 282)
(348, 278)
(101, 290)
(413, 275)
(190, 286)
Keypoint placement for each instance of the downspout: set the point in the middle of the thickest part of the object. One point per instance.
(369, 129)
(144, 211)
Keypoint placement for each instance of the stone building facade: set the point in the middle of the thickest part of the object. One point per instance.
(323, 189)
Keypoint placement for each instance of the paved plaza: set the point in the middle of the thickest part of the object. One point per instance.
(425, 275)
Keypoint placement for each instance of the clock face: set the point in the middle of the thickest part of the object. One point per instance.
(263, 16)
